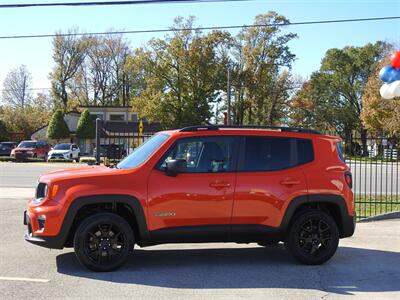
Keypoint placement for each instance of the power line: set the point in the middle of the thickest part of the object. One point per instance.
(199, 28)
(108, 3)
(28, 89)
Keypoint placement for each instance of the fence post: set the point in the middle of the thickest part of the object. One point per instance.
(98, 136)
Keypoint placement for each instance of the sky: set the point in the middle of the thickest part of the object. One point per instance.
(310, 46)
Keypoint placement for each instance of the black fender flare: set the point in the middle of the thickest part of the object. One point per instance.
(346, 222)
(112, 199)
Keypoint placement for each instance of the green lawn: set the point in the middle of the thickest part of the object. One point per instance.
(367, 206)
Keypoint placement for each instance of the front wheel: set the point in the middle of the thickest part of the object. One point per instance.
(313, 237)
(103, 242)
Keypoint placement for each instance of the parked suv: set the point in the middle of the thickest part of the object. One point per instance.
(30, 149)
(201, 184)
(66, 151)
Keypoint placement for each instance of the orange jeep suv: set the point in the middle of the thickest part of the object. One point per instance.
(200, 184)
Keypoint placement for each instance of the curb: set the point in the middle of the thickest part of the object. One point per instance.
(388, 216)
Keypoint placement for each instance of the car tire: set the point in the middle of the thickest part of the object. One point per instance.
(103, 242)
(313, 237)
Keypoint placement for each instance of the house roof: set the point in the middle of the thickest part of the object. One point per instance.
(72, 112)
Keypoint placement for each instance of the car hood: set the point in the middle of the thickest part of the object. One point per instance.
(59, 151)
(24, 149)
(77, 173)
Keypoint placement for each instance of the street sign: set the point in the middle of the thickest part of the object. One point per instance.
(140, 127)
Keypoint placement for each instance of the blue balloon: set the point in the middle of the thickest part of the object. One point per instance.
(385, 73)
(389, 74)
(395, 75)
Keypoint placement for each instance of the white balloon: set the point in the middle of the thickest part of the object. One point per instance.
(384, 91)
(395, 88)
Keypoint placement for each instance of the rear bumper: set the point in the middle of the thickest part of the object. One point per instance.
(53, 242)
(348, 225)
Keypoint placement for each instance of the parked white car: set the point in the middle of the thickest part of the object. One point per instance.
(64, 151)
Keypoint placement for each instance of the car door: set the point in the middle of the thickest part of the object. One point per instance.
(269, 175)
(197, 204)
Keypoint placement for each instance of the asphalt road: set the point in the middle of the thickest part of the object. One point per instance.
(380, 179)
(366, 265)
(375, 179)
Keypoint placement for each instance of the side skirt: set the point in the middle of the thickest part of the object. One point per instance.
(243, 233)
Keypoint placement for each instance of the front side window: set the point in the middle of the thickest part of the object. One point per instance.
(202, 154)
(143, 152)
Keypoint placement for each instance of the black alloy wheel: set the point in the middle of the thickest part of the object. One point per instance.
(313, 237)
(103, 242)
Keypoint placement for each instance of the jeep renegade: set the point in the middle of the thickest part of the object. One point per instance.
(201, 184)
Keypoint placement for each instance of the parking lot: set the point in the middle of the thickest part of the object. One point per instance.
(366, 265)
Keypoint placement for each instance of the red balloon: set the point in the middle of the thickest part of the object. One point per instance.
(395, 60)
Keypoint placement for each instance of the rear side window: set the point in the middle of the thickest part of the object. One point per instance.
(267, 154)
(275, 153)
(305, 151)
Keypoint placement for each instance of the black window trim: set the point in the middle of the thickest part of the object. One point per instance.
(235, 153)
(293, 153)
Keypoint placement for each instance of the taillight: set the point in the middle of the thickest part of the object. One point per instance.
(349, 179)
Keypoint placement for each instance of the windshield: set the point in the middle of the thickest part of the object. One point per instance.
(143, 152)
(62, 147)
(27, 145)
(6, 145)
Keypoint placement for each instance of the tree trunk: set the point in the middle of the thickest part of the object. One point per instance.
(363, 134)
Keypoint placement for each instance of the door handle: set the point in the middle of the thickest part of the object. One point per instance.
(290, 182)
(219, 185)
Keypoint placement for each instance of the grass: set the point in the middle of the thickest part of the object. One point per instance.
(368, 206)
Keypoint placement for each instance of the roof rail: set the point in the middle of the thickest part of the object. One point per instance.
(199, 128)
(217, 127)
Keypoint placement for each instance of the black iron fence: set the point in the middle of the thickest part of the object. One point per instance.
(374, 162)
(115, 140)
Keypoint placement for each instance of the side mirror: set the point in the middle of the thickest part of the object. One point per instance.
(175, 166)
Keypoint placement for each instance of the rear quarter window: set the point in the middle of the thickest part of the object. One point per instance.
(305, 151)
(340, 152)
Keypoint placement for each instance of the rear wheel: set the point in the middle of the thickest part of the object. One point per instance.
(313, 237)
(103, 242)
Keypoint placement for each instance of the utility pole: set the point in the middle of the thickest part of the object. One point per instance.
(228, 96)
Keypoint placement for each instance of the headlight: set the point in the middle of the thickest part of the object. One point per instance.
(41, 193)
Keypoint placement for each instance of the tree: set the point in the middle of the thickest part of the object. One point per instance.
(68, 54)
(182, 75)
(16, 87)
(25, 120)
(101, 79)
(58, 128)
(86, 128)
(337, 88)
(261, 77)
(4, 134)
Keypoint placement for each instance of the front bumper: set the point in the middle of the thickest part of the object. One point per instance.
(22, 155)
(53, 242)
(61, 156)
